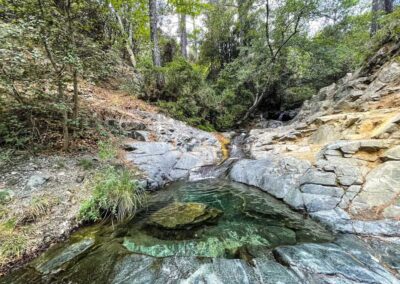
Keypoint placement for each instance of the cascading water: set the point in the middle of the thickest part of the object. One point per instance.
(236, 153)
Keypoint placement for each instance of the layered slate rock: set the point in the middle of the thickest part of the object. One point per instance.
(168, 149)
(350, 134)
(143, 269)
(381, 188)
(279, 176)
(343, 262)
(179, 215)
(164, 162)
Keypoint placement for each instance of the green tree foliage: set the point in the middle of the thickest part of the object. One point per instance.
(256, 57)
(46, 46)
(264, 58)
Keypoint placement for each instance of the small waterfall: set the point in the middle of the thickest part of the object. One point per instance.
(235, 153)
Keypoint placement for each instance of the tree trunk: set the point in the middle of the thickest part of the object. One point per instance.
(194, 44)
(128, 35)
(378, 7)
(183, 35)
(64, 114)
(153, 14)
(388, 6)
(76, 97)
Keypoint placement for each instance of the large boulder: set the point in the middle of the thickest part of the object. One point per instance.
(276, 175)
(179, 215)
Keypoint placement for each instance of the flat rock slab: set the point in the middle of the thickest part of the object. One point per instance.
(163, 162)
(334, 263)
(183, 215)
(67, 255)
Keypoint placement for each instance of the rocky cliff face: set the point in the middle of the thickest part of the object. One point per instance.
(340, 158)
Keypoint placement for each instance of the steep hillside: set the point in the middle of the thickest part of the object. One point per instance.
(41, 195)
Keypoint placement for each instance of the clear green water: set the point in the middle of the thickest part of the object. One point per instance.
(252, 224)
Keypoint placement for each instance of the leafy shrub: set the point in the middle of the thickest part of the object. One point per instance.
(116, 195)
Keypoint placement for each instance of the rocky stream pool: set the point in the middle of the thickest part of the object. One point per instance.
(210, 231)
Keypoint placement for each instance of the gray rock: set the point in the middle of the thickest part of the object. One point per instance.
(348, 171)
(329, 263)
(392, 211)
(382, 186)
(132, 125)
(276, 175)
(295, 199)
(376, 228)
(177, 174)
(317, 177)
(347, 147)
(150, 148)
(392, 154)
(389, 73)
(349, 195)
(333, 153)
(374, 145)
(325, 133)
(157, 166)
(135, 269)
(315, 202)
(388, 252)
(271, 272)
(322, 190)
(36, 181)
(188, 161)
(220, 271)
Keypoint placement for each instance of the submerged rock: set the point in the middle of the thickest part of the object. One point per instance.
(183, 216)
(54, 264)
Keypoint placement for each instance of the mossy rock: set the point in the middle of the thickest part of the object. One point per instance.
(5, 196)
(183, 216)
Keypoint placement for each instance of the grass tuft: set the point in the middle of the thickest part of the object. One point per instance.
(12, 244)
(86, 164)
(38, 207)
(116, 195)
